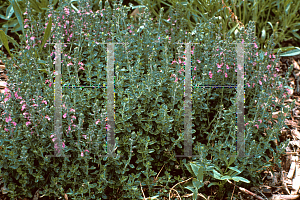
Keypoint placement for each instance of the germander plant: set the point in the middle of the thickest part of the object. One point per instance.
(148, 101)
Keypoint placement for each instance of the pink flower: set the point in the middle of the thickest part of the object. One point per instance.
(81, 68)
(8, 119)
(97, 121)
(27, 123)
(260, 120)
(47, 117)
(256, 125)
(69, 64)
(14, 123)
(260, 82)
(210, 74)
(72, 110)
(65, 115)
(23, 107)
(226, 75)
(255, 45)
(32, 38)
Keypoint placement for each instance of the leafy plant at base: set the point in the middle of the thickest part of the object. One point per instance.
(152, 103)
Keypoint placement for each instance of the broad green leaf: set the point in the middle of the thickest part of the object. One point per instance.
(5, 42)
(226, 177)
(195, 168)
(235, 169)
(16, 28)
(44, 3)
(233, 29)
(263, 35)
(200, 174)
(217, 168)
(9, 11)
(237, 179)
(216, 175)
(190, 188)
(197, 184)
(188, 167)
(35, 5)
(214, 183)
(290, 49)
(293, 52)
(225, 159)
(232, 159)
(195, 194)
(3, 17)
(271, 25)
(18, 13)
(10, 23)
(296, 35)
(47, 33)
(13, 41)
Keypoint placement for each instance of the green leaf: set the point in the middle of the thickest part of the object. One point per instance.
(263, 35)
(238, 178)
(217, 168)
(13, 41)
(35, 5)
(44, 3)
(197, 184)
(225, 159)
(217, 175)
(18, 13)
(214, 183)
(233, 29)
(3, 17)
(232, 159)
(190, 188)
(293, 52)
(296, 35)
(200, 174)
(195, 168)
(5, 42)
(226, 177)
(47, 33)
(195, 194)
(9, 11)
(235, 169)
